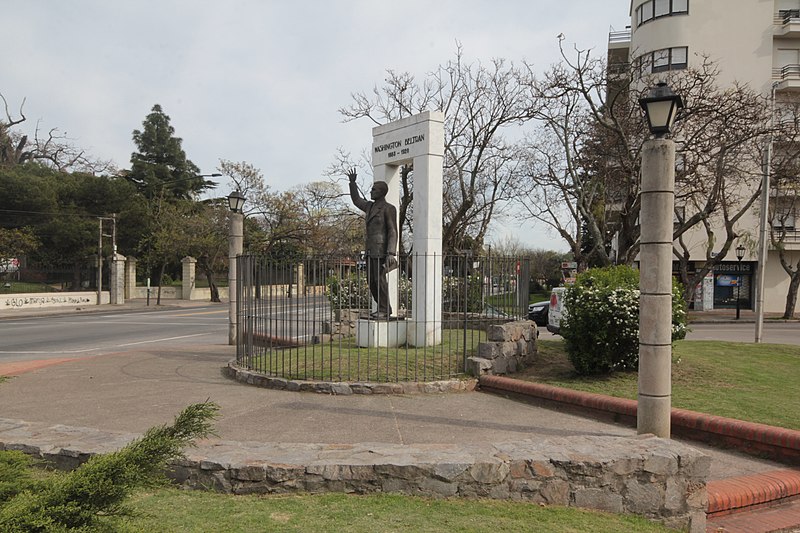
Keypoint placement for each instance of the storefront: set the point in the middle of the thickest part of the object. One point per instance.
(732, 280)
(720, 288)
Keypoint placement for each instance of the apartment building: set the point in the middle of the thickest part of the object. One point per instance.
(752, 41)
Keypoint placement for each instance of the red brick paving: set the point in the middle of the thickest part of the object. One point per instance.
(15, 368)
(784, 518)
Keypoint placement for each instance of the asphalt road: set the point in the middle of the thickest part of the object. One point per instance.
(73, 336)
(82, 335)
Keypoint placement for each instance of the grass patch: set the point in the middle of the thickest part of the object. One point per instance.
(19, 287)
(342, 360)
(732, 379)
(184, 511)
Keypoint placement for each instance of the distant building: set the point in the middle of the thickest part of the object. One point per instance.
(752, 41)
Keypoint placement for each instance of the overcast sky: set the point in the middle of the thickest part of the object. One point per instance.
(259, 81)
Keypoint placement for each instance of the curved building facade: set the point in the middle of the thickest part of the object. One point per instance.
(753, 42)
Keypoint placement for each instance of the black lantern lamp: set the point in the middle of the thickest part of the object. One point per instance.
(236, 201)
(660, 108)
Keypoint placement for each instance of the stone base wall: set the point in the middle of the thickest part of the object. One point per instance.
(660, 479)
(510, 347)
(346, 388)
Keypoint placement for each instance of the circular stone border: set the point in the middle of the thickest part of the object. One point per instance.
(346, 388)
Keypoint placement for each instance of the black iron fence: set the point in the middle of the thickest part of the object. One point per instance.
(315, 319)
(22, 278)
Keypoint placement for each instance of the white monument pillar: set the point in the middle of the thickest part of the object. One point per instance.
(419, 140)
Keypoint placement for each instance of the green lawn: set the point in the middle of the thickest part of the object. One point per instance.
(193, 511)
(342, 360)
(19, 287)
(755, 382)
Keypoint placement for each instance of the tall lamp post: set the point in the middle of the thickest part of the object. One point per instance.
(655, 282)
(739, 255)
(235, 246)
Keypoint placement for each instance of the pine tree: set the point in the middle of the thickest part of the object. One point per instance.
(160, 167)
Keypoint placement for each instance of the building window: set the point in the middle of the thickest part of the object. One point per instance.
(675, 58)
(653, 9)
(784, 220)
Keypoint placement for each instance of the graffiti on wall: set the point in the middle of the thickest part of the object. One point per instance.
(43, 301)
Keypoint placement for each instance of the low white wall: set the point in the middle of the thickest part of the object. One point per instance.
(176, 293)
(60, 299)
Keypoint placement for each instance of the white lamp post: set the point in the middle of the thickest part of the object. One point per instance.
(235, 246)
(655, 282)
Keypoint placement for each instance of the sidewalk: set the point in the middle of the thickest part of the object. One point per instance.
(728, 316)
(134, 305)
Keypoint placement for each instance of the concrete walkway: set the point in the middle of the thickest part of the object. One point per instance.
(131, 391)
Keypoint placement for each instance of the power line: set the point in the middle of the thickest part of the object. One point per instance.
(51, 214)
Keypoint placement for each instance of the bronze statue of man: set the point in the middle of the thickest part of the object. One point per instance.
(381, 243)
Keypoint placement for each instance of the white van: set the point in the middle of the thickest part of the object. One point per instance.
(557, 310)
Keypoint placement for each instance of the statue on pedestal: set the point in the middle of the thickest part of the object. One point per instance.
(381, 242)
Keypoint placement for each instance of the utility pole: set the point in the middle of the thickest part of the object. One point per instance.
(100, 262)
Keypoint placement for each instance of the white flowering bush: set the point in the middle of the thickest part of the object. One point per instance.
(601, 328)
(352, 292)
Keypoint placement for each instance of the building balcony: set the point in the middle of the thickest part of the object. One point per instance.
(619, 39)
(787, 78)
(791, 238)
(787, 23)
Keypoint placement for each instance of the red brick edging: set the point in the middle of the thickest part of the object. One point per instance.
(780, 444)
(726, 496)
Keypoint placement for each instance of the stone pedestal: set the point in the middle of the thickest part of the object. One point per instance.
(380, 333)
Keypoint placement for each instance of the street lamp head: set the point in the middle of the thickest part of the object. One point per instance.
(236, 201)
(660, 108)
(740, 252)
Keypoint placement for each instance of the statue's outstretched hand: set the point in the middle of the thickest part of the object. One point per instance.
(352, 174)
(390, 264)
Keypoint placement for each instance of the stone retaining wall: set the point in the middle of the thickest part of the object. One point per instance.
(257, 379)
(510, 347)
(661, 479)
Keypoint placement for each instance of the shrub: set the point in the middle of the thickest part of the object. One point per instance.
(351, 292)
(73, 501)
(601, 327)
(15, 474)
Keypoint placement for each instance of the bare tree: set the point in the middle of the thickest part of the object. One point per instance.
(52, 147)
(583, 162)
(785, 192)
(478, 102)
(308, 219)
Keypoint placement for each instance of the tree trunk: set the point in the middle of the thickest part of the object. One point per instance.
(160, 277)
(791, 296)
(212, 285)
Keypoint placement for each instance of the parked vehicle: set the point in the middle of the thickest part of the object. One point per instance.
(556, 310)
(538, 312)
